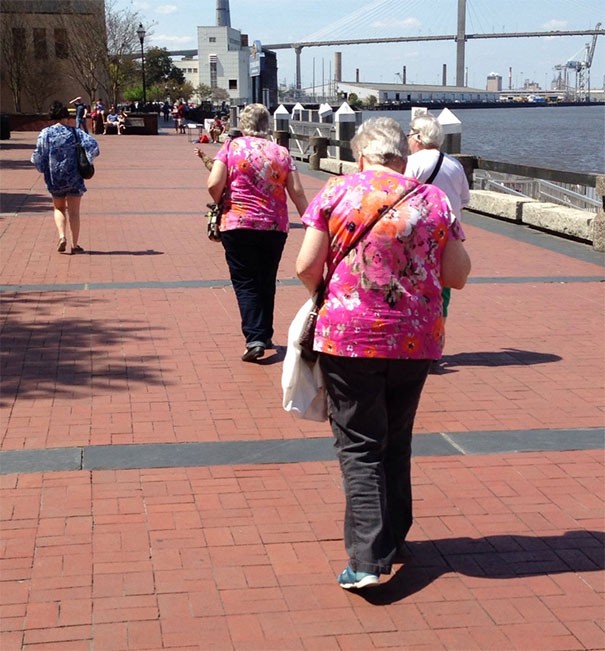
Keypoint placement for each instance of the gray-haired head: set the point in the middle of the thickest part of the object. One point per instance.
(254, 120)
(380, 141)
(427, 130)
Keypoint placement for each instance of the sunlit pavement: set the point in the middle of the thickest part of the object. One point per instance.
(156, 496)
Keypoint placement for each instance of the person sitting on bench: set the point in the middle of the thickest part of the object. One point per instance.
(112, 120)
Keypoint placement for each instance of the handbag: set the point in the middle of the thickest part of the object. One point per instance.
(215, 209)
(85, 167)
(304, 393)
(308, 331)
(214, 221)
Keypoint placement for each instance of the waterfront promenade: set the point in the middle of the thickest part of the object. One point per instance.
(154, 495)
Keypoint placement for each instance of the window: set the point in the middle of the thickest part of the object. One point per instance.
(212, 39)
(213, 70)
(40, 45)
(18, 41)
(61, 46)
(232, 84)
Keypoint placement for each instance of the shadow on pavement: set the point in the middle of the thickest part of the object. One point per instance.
(504, 357)
(491, 557)
(24, 203)
(146, 252)
(55, 346)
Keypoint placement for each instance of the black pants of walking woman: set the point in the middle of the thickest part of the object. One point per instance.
(253, 259)
(372, 405)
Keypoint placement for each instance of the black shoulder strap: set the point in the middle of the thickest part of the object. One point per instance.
(436, 170)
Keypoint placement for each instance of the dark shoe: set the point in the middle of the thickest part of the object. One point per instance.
(269, 345)
(62, 244)
(76, 249)
(253, 353)
(351, 580)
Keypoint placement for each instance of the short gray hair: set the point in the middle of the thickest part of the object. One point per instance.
(428, 129)
(254, 120)
(379, 141)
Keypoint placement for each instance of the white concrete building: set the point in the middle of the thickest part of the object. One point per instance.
(393, 93)
(223, 61)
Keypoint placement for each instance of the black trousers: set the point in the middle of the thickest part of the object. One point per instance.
(372, 404)
(253, 259)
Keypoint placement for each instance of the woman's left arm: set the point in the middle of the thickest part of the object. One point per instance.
(296, 191)
(312, 258)
(217, 180)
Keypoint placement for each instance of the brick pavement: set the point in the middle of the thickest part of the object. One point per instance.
(138, 342)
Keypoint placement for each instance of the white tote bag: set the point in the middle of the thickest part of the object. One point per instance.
(301, 381)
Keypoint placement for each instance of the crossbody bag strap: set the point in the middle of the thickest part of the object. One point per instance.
(436, 170)
(362, 233)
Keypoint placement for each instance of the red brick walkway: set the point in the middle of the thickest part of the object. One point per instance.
(138, 342)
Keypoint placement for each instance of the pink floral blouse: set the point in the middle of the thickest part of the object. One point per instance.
(384, 299)
(256, 185)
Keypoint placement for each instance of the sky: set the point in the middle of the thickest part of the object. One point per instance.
(172, 24)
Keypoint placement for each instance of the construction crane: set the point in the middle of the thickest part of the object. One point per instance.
(582, 70)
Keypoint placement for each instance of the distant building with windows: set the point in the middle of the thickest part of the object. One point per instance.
(223, 61)
(38, 47)
(395, 93)
(494, 82)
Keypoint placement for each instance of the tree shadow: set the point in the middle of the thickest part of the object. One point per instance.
(11, 202)
(45, 353)
(503, 357)
(15, 145)
(491, 557)
(17, 164)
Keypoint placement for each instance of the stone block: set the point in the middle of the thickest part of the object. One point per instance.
(498, 204)
(330, 165)
(559, 219)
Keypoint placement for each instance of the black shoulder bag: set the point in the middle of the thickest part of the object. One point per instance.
(85, 167)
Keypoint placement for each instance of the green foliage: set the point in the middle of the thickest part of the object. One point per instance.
(353, 100)
(370, 102)
(159, 67)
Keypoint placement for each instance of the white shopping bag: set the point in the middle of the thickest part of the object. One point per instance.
(301, 381)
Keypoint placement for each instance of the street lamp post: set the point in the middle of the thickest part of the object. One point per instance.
(141, 34)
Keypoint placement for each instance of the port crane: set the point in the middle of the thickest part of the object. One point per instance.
(582, 70)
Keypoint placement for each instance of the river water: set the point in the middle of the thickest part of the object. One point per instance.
(570, 138)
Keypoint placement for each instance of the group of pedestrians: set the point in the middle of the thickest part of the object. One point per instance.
(389, 243)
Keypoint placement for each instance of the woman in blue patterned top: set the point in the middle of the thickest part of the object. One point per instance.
(55, 157)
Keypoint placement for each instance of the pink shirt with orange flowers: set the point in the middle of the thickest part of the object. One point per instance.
(384, 299)
(255, 194)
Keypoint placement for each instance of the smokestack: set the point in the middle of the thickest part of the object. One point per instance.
(357, 75)
(510, 78)
(337, 66)
(404, 79)
(444, 78)
(223, 18)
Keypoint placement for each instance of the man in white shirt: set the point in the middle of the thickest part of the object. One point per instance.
(427, 164)
(424, 140)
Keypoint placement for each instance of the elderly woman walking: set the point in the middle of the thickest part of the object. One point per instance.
(389, 245)
(55, 157)
(253, 177)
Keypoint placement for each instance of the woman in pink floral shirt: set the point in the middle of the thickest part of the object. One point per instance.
(379, 328)
(254, 176)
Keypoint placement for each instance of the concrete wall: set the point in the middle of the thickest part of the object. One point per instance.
(550, 217)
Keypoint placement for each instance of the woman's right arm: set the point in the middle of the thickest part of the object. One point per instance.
(217, 180)
(312, 258)
(455, 264)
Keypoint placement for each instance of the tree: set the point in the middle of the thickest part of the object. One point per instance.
(353, 100)
(87, 61)
(370, 102)
(159, 67)
(219, 94)
(14, 56)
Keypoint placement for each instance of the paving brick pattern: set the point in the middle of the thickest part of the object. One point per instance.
(506, 551)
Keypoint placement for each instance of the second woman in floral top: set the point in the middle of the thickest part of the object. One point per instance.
(254, 176)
